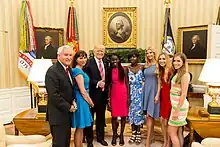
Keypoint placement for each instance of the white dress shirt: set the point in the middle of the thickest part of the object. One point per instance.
(68, 72)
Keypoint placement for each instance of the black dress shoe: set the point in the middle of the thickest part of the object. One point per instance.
(89, 145)
(103, 142)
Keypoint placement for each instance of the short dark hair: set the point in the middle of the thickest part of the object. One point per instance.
(132, 53)
(121, 73)
(78, 54)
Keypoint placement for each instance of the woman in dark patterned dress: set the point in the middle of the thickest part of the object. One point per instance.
(135, 116)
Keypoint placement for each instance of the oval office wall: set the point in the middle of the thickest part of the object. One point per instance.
(53, 13)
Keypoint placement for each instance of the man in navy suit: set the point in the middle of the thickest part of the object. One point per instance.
(97, 72)
(59, 86)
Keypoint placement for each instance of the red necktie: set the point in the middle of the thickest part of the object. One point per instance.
(101, 72)
(68, 74)
(67, 71)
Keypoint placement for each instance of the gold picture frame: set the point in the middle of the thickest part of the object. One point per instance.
(57, 35)
(120, 27)
(193, 42)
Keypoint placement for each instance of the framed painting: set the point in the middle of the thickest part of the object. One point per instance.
(193, 42)
(120, 27)
(47, 41)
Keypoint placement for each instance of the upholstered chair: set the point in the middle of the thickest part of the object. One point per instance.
(207, 142)
(22, 141)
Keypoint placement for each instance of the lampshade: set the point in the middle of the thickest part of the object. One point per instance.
(38, 71)
(211, 72)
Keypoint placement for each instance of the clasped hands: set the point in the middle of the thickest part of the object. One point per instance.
(73, 107)
(101, 84)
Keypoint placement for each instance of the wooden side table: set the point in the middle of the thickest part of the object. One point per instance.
(204, 126)
(195, 95)
(28, 123)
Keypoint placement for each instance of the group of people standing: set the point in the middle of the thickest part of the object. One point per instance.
(151, 91)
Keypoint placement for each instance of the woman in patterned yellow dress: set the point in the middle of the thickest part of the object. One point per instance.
(180, 105)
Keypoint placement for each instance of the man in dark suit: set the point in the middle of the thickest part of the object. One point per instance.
(59, 86)
(97, 71)
(196, 51)
(47, 51)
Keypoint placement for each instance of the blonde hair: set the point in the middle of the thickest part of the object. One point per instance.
(147, 61)
(98, 46)
(182, 70)
(166, 70)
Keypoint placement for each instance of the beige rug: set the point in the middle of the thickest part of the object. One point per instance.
(157, 135)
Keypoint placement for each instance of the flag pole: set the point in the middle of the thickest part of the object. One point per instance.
(168, 45)
(167, 4)
(218, 18)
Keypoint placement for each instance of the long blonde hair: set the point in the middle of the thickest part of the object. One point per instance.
(147, 61)
(166, 70)
(182, 70)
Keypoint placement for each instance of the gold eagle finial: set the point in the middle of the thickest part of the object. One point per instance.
(71, 3)
(167, 2)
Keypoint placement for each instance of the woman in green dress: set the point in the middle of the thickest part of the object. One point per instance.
(179, 103)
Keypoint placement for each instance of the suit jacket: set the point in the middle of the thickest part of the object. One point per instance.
(60, 94)
(198, 52)
(97, 95)
(49, 53)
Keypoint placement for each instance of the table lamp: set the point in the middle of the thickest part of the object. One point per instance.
(37, 78)
(211, 76)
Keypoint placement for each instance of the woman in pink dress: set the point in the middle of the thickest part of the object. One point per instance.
(118, 94)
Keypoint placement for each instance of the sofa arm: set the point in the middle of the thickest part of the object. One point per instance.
(211, 142)
(196, 144)
(2, 135)
(29, 139)
(2, 143)
(48, 143)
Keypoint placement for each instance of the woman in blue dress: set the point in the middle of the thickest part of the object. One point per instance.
(82, 116)
(151, 92)
(136, 77)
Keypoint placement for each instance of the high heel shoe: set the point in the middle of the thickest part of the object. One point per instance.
(132, 138)
(138, 138)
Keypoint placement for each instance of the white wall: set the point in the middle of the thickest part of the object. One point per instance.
(13, 101)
